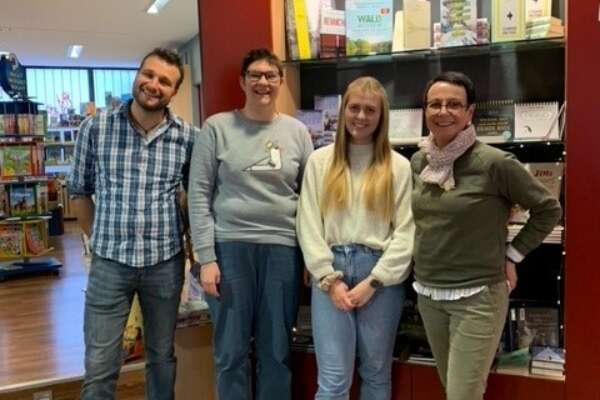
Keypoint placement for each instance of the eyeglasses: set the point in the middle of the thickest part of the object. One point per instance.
(255, 76)
(451, 106)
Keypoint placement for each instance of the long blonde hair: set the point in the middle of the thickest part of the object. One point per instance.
(378, 190)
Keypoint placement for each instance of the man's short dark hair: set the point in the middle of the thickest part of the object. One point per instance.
(261, 54)
(455, 78)
(170, 57)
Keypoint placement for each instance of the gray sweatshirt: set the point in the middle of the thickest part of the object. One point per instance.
(244, 182)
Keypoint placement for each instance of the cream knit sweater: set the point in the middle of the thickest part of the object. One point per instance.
(356, 225)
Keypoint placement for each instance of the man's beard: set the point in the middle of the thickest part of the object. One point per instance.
(137, 94)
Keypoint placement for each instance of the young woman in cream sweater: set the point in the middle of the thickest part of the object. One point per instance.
(355, 228)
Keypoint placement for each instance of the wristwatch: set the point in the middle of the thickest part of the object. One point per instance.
(375, 283)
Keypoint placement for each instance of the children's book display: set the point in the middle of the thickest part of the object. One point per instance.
(24, 212)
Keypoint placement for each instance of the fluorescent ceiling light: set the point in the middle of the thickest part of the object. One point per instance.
(156, 6)
(74, 50)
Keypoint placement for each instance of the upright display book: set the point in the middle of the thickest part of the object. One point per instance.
(398, 38)
(417, 24)
(537, 121)
(369, 26)
(35, 239)
(549, 174)
(297, 30)
(11, 241)
(333, 33)
(406, 126)
(537, 326)
(494, 121)
(458, 22)
(538, 8)
(313, 119)
(330, 106)
(508, 20)
(22, 200)
(16, 160)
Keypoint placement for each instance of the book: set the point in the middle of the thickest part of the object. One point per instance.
(11, 240)
(333, 33)
(3, 202)
(549, 174)
(35, 242)
(458, 22)
(297, 30)
(41, 198)
(548, 357)
(54, 155)
(406, 125)
(22, 200)
(417, 24)
(538, 8)
(545, 371)
(483, 31)
(10, 124)
(16, 161)
(537, 121)
(508, 20)
(369, 26)
(398, 37)
(537, 326)
(2, 132)
(544, 27)
(313, 120)
(494, 121)
(330, 106)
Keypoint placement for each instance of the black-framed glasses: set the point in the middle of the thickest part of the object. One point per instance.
(270, 76)
(452, 106)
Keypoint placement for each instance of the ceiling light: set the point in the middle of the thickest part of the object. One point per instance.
(74, 50)
(156, 6)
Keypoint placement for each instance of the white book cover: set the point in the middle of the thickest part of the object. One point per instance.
(406, 125)
(458, 22)
(398, 39)
(537, 121)
(538, 8)
(417, 24)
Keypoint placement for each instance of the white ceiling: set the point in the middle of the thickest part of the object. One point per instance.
(114, 33)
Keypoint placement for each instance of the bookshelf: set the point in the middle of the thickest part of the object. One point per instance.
(24, 212)
(578, 84)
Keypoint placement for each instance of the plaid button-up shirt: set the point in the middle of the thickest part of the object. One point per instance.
(135, 180)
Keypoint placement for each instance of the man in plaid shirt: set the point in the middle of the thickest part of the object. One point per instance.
(133, 160)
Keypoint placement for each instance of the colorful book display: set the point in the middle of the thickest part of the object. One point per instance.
(369, 26)
(330, 107)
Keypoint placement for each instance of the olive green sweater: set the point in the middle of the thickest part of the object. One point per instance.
(460, 238)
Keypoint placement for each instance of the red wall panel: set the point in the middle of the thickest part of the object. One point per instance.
(583, 201)
(228, 29)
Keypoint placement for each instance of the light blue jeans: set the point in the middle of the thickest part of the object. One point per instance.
(259, 294)
(110, 289)
(368, 332)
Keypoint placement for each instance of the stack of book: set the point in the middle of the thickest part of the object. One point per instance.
(544, 27)
(548, 361)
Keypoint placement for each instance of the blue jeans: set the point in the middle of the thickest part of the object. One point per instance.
(259, 291)
(110, 290)
(368, 332)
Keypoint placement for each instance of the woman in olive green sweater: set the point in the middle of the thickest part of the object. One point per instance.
(463, 192)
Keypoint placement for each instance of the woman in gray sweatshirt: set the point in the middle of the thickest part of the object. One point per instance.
(245, 178)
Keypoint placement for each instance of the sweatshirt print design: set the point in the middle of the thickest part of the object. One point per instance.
(271, 161)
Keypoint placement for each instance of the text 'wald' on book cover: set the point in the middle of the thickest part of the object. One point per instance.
(369, 26)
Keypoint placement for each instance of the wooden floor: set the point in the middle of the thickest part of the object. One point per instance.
(41, 319)
(41, 324)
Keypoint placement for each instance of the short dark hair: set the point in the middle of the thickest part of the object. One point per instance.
(455, 78)
(260, 54)
(170, 57)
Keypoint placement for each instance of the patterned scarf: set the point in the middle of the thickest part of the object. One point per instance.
(440, 169)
